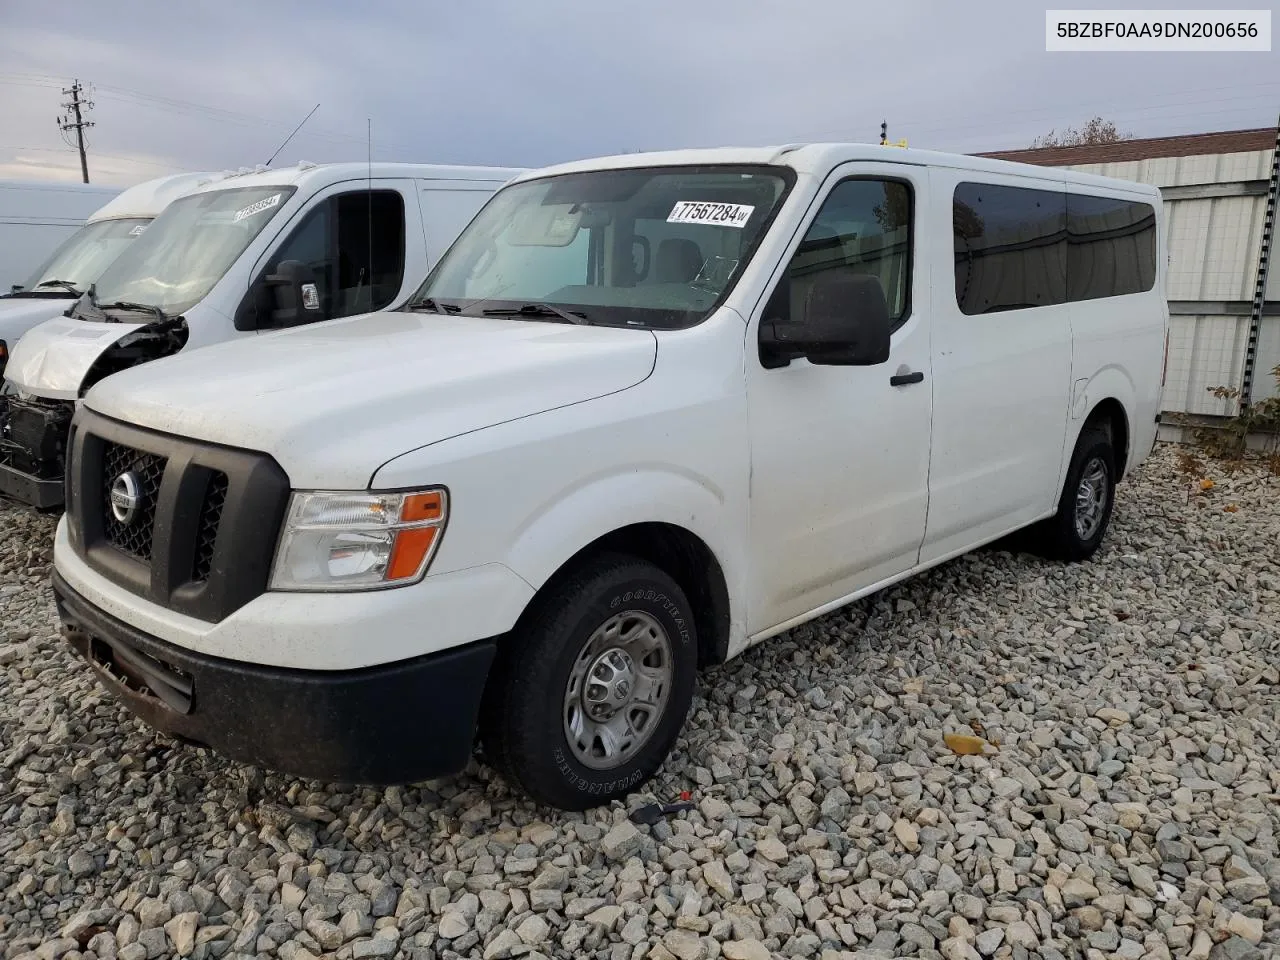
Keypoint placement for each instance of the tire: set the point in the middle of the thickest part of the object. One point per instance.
(558, 665)
(1060, 537)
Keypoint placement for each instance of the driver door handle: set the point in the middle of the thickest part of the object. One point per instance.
(902, 379)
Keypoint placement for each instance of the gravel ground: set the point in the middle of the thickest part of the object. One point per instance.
(1125, 805)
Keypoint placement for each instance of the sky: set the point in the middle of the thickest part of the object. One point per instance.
(200, 85)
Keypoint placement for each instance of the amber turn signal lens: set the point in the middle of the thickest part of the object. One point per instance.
(410, 550)
(422, 507)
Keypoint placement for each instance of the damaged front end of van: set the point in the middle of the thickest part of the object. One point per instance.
(48, 371)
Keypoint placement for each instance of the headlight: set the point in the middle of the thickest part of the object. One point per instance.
(358, 541)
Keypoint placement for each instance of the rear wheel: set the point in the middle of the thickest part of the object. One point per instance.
(591, 691)
(1088, 496)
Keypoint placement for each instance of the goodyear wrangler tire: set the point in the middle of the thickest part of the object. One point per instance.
(592, 689)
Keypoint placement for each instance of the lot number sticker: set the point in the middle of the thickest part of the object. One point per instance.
(258, 207)
(715, 214)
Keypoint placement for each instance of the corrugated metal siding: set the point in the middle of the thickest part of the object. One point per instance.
(1213, 247)
(1264, 382)
(1204, 352)
(1213, 251)
(1186, 171)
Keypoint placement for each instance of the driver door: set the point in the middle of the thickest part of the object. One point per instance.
(840, 454)
(355, 244)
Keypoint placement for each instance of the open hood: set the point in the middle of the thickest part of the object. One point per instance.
(335, 401)
(52, 359)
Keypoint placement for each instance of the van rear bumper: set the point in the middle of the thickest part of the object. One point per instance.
(394, 723)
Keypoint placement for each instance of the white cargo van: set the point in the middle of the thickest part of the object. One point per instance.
(80, 260)
(646, 412)
(36, 216)
(249, 253)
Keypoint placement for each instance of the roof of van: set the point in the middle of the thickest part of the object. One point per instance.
(820, 158)
(149, 198)
(316, 175)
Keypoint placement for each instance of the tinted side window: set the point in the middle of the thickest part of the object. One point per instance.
(864, 227)
(370, 251)
(1010, 247)
(1111, 247)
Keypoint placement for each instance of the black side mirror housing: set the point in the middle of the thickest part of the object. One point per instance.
(844, 322)
(295, 294)
(15, 288)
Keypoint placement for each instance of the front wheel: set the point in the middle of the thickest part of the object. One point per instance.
(1088, 496)
(592, 689)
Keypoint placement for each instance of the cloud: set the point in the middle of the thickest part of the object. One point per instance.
(209, 86)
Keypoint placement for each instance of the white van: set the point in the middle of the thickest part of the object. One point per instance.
(36, 216)
(68, 272)
(252, 252)
(646, 412)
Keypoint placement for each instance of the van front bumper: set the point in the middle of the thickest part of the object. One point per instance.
(393, 723)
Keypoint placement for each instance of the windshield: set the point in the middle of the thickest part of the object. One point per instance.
(86, 253)
(189, 247)
(657, 247)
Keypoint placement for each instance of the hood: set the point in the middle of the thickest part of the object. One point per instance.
(52, 359)
(20, 314)
(334, 402)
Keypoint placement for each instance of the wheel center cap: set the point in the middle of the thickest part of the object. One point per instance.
(610, 683)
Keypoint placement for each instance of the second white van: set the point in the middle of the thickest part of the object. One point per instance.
(250, 253)
(646, 412)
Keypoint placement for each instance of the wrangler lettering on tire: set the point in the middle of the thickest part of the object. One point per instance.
(590, 692)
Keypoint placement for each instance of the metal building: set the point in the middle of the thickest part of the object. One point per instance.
(1220, 197)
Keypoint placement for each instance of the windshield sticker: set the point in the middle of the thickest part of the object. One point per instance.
(137, 231)
(258, 207)
(715, 214)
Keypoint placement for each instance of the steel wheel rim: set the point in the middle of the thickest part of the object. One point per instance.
(617, 690)
(1091, 498)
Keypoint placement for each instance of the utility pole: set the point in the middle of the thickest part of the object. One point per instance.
(65, 122)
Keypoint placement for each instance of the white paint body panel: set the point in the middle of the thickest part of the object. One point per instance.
(809, 485)
(52, 361)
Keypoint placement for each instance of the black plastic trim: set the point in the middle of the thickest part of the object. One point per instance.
(34, 492)
(257, 495)
(394, 723)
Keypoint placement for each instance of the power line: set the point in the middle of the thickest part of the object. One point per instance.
(76, 108)
(107, 156)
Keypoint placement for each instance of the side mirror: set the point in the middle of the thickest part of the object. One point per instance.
(15, 288)
(296, 296)
(844, 321)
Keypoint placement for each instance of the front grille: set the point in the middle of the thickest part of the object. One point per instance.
(132, 537)
(204, 549)
(207, 526)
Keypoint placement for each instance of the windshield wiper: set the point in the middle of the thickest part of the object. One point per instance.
(537, 310)
(429, 303)
(64, 284)
(130, 305)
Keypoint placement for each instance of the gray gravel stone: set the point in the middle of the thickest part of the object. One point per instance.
(1128, 812)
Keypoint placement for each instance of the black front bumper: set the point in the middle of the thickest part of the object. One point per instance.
(398, 723)
(34, 492)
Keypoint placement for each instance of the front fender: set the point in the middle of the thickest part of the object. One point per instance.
(596, 505)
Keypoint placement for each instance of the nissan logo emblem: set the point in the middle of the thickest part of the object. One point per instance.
(126, 497)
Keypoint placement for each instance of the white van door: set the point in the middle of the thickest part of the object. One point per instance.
(447, 207)
(840, 454)
(1001, 358)
(362, 245)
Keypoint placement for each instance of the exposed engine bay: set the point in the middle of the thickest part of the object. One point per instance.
(34, 430)
(151, 342)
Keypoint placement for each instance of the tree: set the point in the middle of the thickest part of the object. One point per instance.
(1096, 130)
